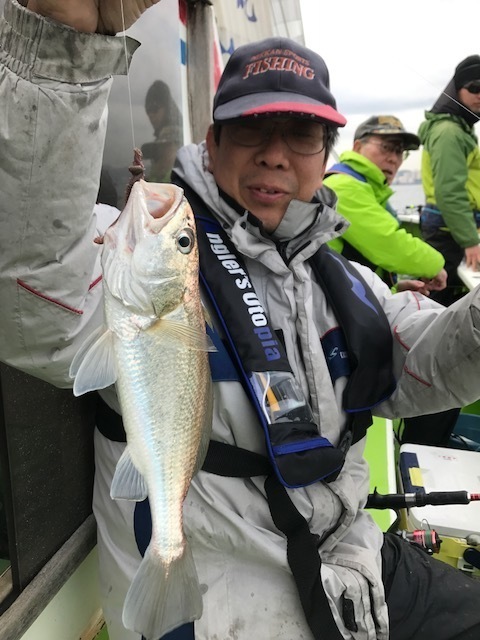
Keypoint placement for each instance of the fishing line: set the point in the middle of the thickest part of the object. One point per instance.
(129, 89)
(415, 71)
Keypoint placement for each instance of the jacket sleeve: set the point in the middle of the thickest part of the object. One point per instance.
(375, 233)
(436, 351)
(54, 84)
(448, 158)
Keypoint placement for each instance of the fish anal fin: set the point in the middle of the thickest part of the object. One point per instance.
(128, 483)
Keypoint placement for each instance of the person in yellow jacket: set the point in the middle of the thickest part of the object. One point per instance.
(361, 182)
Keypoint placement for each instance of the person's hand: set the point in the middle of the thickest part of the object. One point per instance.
(111, 19)
(92, 16)
(413, 285)
(438, 283)
(472, 257)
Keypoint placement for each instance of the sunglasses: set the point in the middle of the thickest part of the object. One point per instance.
(473, 87)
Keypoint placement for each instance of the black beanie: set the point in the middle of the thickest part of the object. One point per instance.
(466, 71)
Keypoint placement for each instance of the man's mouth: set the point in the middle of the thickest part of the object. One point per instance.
(267, 190)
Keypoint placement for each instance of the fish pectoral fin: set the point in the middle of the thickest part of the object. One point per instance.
(128, 483)
(86, 345)
(208, 317)
(191, 337)
(94, 364)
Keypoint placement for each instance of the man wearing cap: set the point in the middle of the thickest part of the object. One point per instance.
(361, 181)
(450, 219)
(323, 326)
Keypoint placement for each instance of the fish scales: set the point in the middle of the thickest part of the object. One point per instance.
(154, 348)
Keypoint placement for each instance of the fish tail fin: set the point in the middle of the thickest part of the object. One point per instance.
(157, 602)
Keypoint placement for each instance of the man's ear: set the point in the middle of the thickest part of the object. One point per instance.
(212, 148)
(324, 168)
(325, 163)
(357, 145)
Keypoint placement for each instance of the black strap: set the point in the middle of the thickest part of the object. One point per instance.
(233, 462)
(302, 545)
(109, 422)
(304, 561)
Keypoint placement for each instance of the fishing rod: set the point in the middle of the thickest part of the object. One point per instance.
(407, 500)
(427, 538)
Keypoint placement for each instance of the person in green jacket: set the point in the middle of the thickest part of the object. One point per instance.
(451, 175)
(361, 182)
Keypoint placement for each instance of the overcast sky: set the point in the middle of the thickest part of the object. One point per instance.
(390, 58)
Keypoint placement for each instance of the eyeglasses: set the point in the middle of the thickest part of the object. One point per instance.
(301, 136)
(473, 87)
(390, 146)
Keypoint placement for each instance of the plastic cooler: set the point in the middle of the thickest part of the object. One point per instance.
(425, 469)
(466, 434)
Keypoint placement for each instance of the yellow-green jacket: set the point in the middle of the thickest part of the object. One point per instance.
(374, 232)
(451, 173)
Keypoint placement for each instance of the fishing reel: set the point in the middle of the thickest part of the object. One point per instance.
(426, 539)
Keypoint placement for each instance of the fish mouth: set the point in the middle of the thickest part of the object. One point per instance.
(160, 208)
(162, 202)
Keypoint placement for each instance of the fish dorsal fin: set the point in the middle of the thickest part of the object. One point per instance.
(128, 483)
(179, 330)
(94, 364)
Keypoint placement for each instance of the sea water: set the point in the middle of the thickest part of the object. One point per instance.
(407, 195)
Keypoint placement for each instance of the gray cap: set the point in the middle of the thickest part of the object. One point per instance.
(387, 126)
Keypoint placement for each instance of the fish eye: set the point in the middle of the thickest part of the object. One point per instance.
(186, 240)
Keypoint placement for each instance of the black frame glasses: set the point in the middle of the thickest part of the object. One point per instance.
(390, 146)
(305, 137)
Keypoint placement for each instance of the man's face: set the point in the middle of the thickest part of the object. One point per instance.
(469, 99)
(156, 114)
(264, 164)
(385, 151)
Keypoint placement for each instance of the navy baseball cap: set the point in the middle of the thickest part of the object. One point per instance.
(275, 75)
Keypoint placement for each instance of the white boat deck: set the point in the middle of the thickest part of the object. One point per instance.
(468, 276)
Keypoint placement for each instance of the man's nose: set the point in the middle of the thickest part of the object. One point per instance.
(274, 150)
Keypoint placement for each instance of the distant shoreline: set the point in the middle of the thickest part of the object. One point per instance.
(407, 177)
(407, 195)
(405, 181)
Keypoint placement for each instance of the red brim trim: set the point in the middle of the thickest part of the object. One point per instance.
(322, 111)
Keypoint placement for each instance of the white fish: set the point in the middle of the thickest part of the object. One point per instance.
(154, 348)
